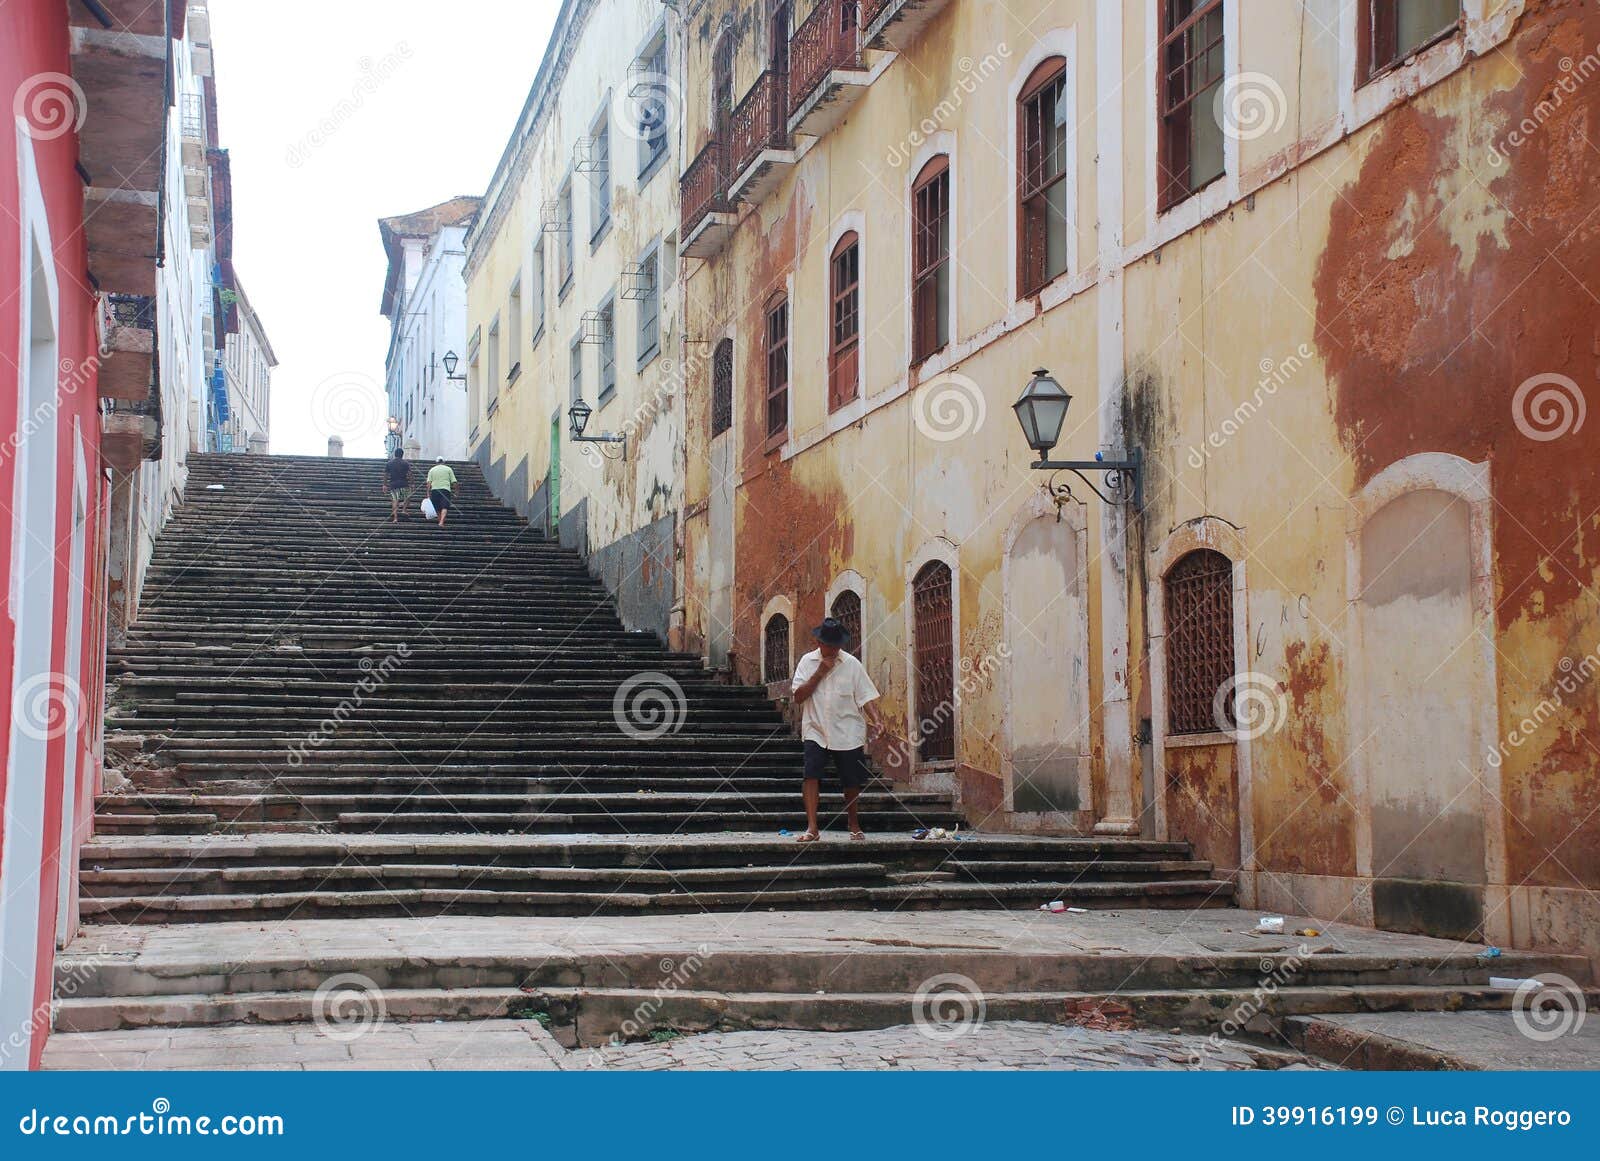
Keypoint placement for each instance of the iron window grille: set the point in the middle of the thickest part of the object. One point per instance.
(847, 611)
(935, 661)
(775, 649)
(722, 387)
(1200, 663)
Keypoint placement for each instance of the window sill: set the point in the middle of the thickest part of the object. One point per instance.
(564, 289)
(514, 374)
(600, 233)
(1409, 58)
(1172, 207)
(657, 164)
(774, 443)
(494, 406)
(606, 397)
(538, 336)
(647, 356)
(1209, 738)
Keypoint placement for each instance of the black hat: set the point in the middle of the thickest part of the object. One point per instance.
(831, 632)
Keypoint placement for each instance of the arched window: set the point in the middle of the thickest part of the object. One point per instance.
(722, 387)
(775, 649)
(1199, 624)
(844, 326)
(847, 611)
(777, 359)
(936, 694)
(930, 259)
(1042, 176)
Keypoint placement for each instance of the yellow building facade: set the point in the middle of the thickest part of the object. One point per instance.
(1321, 264)
(571, 296)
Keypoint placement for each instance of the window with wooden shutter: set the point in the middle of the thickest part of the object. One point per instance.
(930, 263)
(722, 387)
(1191, 65)
(844, 329)
(1199, 647)
(1042, 176)
(935, 653)
(777, 395)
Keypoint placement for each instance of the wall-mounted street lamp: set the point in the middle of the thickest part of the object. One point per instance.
(450, 360)
(1041, 410)
(578, 414)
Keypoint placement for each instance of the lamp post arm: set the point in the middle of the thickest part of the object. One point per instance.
(1115, 471)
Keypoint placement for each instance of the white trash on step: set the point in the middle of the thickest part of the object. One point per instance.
(1272, 923)
(1508, 983)
(428, 509)
(214, 487)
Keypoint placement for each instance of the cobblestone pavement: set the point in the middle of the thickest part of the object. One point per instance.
(513, 1045)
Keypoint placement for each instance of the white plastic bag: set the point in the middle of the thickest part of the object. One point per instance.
(428, 510)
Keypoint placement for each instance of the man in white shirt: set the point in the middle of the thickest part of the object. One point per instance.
(837, 700)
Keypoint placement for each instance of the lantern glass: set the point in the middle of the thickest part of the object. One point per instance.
(579, 414)
(450, 360)
(1041, 411)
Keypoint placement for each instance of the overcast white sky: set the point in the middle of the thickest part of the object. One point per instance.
(305, 240)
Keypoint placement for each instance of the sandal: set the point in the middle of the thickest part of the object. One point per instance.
(858, 835)
(809, 836)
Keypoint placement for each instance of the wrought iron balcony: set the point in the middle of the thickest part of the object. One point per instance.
(824, 62)
(707, 215)
(759, 136)
(894, 24)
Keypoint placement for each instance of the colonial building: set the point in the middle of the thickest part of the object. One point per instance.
(82, 197)
(571, 289)
(1324, 269)
(425, 301)
(248, 361)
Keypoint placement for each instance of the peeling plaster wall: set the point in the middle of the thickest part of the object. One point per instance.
(1379, 270)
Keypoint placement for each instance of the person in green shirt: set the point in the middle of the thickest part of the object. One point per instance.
(441, 479)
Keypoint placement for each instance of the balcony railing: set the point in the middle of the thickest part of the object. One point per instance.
(828, 39)
(761, 121)
(872, 9)
(703, 188)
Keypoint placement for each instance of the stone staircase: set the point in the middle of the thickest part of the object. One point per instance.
(321, 713)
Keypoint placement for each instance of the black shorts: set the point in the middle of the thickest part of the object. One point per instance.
(440, 498)
(849, 766)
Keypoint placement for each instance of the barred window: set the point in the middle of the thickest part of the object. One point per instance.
(775, 649)
(847, 611)
(935, 654)
(722, 388)
(1199, 608)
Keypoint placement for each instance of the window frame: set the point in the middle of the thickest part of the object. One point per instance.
(771, 674)
(1170, 191)
(926, 276)
(514, 329)
(607, 390)
(849, 241)
(575, 368)
(567, 259)
(647, 351)
(722, 392)
(536, 303)
(1366, 70)
(1045, 74)
(599, 176)
(775, 378)
(654, 148)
